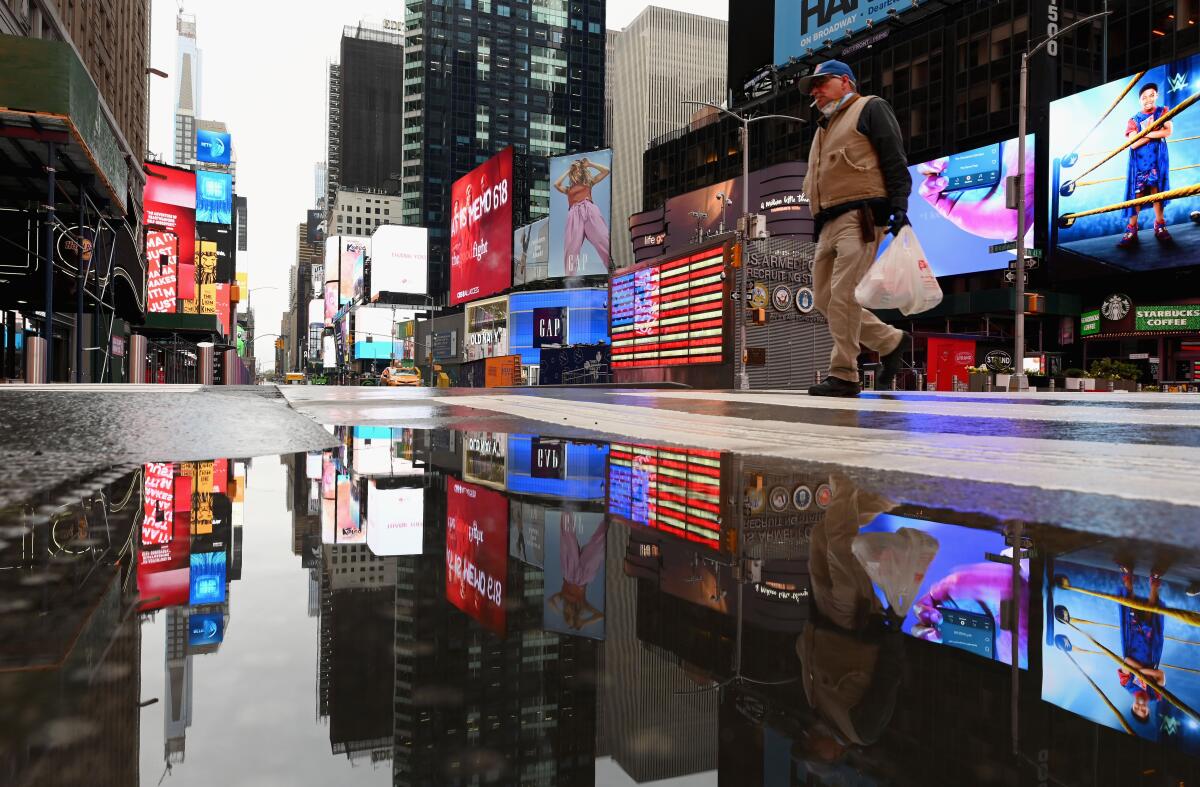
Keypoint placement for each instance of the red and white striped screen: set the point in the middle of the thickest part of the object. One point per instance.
(669, 314)
(675, 490)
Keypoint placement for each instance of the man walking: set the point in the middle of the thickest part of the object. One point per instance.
(858, 186)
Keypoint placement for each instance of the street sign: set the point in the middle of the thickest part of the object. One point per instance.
(1030, 264)
(1012, 246)
(1010, 277)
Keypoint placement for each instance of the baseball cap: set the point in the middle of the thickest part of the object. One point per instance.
(830, 68)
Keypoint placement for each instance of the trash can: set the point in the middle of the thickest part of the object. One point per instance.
(232, 367)
(204, 363)
(35, 359)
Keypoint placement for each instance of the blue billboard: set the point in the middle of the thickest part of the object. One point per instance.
(213, 147)
(586, 313)
(206, 628)
(1124, 157)
(556, 468)
(207, 578)
(805, 25)
(214, 197)
(957, 207)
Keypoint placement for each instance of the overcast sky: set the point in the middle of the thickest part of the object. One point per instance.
(264, 75)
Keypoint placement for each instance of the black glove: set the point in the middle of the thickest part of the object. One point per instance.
(899, 219)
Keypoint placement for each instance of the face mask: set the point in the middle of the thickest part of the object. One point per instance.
(834, 106)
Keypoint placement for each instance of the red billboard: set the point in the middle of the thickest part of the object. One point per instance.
(169, 214)
(477, 552)
(670, 313)
(481, 230)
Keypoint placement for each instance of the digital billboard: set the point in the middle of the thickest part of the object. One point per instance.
(573, 602)
(316, 227)
(207, 578)
(331, 302)
(556, 467)
(961, 593)
(328, 352)
(214, 197)
(477, 552)
(673, 490)
(1124, 189)
(205, 628)
(374, 329)
(399, 260)
(531, 252)
(158, 508)
(169, 215)
(487, 330)
(580, 209)
(578, 316)
(1122, 644)
(481, 229)
(223, 242)
(396, 519)
(353, 254)
(485, 457)
(213, 147)
(958, 207)
(805, 26)
(670, 313)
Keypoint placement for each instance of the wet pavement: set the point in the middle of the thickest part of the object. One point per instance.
(461, 590)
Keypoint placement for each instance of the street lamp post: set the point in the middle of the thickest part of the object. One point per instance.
(1018, 380)
(743, 234)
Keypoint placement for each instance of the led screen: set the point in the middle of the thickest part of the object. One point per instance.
(399, 260)
(582, 314)
(350, 527)
(1122, 644)
(556, 468)
(374, 329)
(805, 26)
(383, 451)
(158, 494)
(328, 352)
(1105, 155)
(957, 207)
(531, 252)
(208, 578)
(169, 214)
(670, 313)
(350, 275)
(396, 519)
(573, 602)
(481, 230)
(477, 552)
(580, 206)
(214, 197)
(960, 595)
(331, 302)
(213, 147)
(675, 490)
(205, 629)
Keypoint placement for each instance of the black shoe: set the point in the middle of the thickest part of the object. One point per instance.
(834, 386)
(891, 364)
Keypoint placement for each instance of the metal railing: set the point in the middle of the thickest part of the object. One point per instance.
(592, 372)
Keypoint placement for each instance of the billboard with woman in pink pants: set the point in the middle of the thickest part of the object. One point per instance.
(580, 208)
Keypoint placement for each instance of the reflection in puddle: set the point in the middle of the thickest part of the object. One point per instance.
(490, 608)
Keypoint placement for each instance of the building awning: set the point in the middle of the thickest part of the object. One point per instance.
(46, 95)
(160, 323)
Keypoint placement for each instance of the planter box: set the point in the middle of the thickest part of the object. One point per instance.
(1124, 385)
(1002, 382)
(1081, 384)
(977, 383)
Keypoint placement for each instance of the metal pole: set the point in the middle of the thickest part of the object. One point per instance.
(743, 375)
(1104, 49)
(48, 258)
(1018, 382)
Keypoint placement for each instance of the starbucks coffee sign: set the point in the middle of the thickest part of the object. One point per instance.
(1167, 318)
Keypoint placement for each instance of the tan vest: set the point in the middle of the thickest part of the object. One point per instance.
(842, 163)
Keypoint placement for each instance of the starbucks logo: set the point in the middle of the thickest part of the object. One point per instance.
(1116, 307)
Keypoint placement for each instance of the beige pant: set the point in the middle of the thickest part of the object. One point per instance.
(841, 261)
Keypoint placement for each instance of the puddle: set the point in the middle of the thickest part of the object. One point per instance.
(424, 607)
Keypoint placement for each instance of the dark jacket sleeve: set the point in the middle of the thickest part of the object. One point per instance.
(878, 124)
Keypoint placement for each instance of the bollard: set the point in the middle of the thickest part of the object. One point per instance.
(137, 358)
(204, 363)
(1051, 385)
(35, 359)
(231, 362)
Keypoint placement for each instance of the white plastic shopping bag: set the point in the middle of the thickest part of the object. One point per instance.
(900, 279)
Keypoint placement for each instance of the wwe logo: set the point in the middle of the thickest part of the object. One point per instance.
(1176, 83)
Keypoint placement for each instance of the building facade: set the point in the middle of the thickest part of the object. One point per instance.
(359, 212)
(529, 77)
(187, 89)
(662, 59)
(372, 62)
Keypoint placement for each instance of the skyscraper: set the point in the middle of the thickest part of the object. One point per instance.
(661, 59)
(505, 74)
(187, 89)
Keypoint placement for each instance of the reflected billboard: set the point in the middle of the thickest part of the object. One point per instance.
(1123, 158)
(207, 578)
(477, 552)
(396, 519)
(580, 209)
(214, 197)
(481, 226)
(673, 490)
(574, 592)
(205, 628)
(557, 468)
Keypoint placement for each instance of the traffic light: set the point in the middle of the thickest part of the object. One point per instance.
(279, 344)
(1035, 303)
